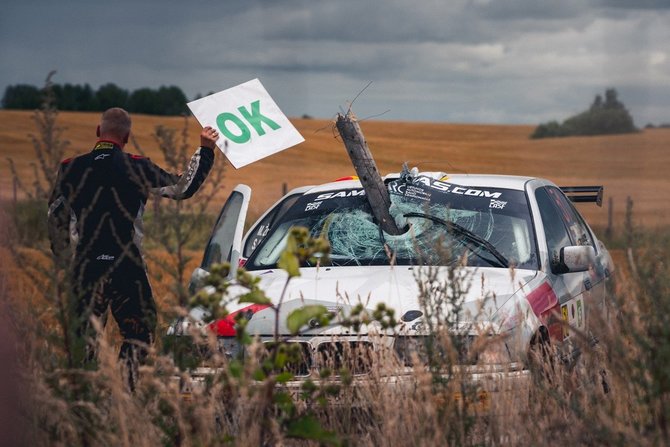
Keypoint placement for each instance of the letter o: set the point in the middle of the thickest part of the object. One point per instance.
(244, 134)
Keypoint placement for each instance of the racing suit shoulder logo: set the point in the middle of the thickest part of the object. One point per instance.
(103, 145)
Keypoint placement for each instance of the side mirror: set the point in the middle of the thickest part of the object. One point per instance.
(197, 280)
(577, 258)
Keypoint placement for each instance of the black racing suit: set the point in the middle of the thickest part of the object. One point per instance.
(95, 213)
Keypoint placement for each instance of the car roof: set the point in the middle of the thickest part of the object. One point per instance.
(489, 180)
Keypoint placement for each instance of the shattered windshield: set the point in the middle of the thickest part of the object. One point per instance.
(444, 223)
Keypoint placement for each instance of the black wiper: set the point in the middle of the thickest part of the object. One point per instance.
(468, 236)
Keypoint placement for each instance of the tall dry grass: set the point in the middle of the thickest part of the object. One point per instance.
(616, 393)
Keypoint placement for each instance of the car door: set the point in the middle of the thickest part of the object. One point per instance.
(263, 225)
(564, 228)
(225, 242)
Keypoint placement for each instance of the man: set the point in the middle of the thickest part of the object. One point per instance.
(95, 217)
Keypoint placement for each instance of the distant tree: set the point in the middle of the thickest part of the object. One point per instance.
(169, 100)
(603, 117)
(547, 130)
(611, 100)
(143, 100)
(22, 96)
(75, 97)
(597, 103)
(164, 101)
(111, 95)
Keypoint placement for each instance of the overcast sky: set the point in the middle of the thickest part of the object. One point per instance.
(484, 61)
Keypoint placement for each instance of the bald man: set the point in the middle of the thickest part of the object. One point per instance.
(95, 228)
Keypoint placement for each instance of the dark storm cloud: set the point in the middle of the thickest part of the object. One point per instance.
(636, 4)
(465, 60)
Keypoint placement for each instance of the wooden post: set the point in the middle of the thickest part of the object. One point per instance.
(629, 221)
(15, 190)
(609, 230)
(367, 172)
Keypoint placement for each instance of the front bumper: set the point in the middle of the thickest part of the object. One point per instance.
(480, 387)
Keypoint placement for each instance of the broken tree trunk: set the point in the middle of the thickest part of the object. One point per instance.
(367, 172)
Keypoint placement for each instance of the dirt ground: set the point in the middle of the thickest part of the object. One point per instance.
(632, 165)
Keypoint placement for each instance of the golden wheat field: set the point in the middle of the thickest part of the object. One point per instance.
(617, 394)
(632, 165)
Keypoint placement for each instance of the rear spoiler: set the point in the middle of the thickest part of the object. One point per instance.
(581, 194)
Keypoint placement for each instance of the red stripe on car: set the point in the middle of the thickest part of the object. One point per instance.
(225, 327)
(545, 304)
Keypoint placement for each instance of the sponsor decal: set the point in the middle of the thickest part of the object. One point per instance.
(103, 145)
(439, 185)
(564, 312)
(397, 188)
(580, 313)
(105, 258)
(588, 284)
(102, 156)
(263, 230)
(311, 206)
(413, 192)
(497, 204)
(346, 193)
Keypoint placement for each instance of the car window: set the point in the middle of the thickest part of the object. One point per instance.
(261, 230)
(554, 229)
(562, 226)
(499, 217)
(220, 244)
(579, 233)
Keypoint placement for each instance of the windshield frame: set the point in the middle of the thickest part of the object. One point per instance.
(357, 193)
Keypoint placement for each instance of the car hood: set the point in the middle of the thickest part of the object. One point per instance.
(485, 290)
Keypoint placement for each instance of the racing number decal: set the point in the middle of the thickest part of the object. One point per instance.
(572, 313)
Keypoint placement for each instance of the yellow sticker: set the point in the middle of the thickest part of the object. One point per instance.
(564, 312)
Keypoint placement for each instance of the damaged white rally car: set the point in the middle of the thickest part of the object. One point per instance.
(535, 269)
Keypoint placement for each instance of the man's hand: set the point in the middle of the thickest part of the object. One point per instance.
(208, 137)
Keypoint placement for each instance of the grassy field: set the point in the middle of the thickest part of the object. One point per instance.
(617, 394)
(627, 165)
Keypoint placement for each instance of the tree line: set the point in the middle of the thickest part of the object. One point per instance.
(604, 116)
(166, 100)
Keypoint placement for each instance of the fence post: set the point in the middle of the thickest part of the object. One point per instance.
(629, 237)
(15, 188)
(610, 211)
